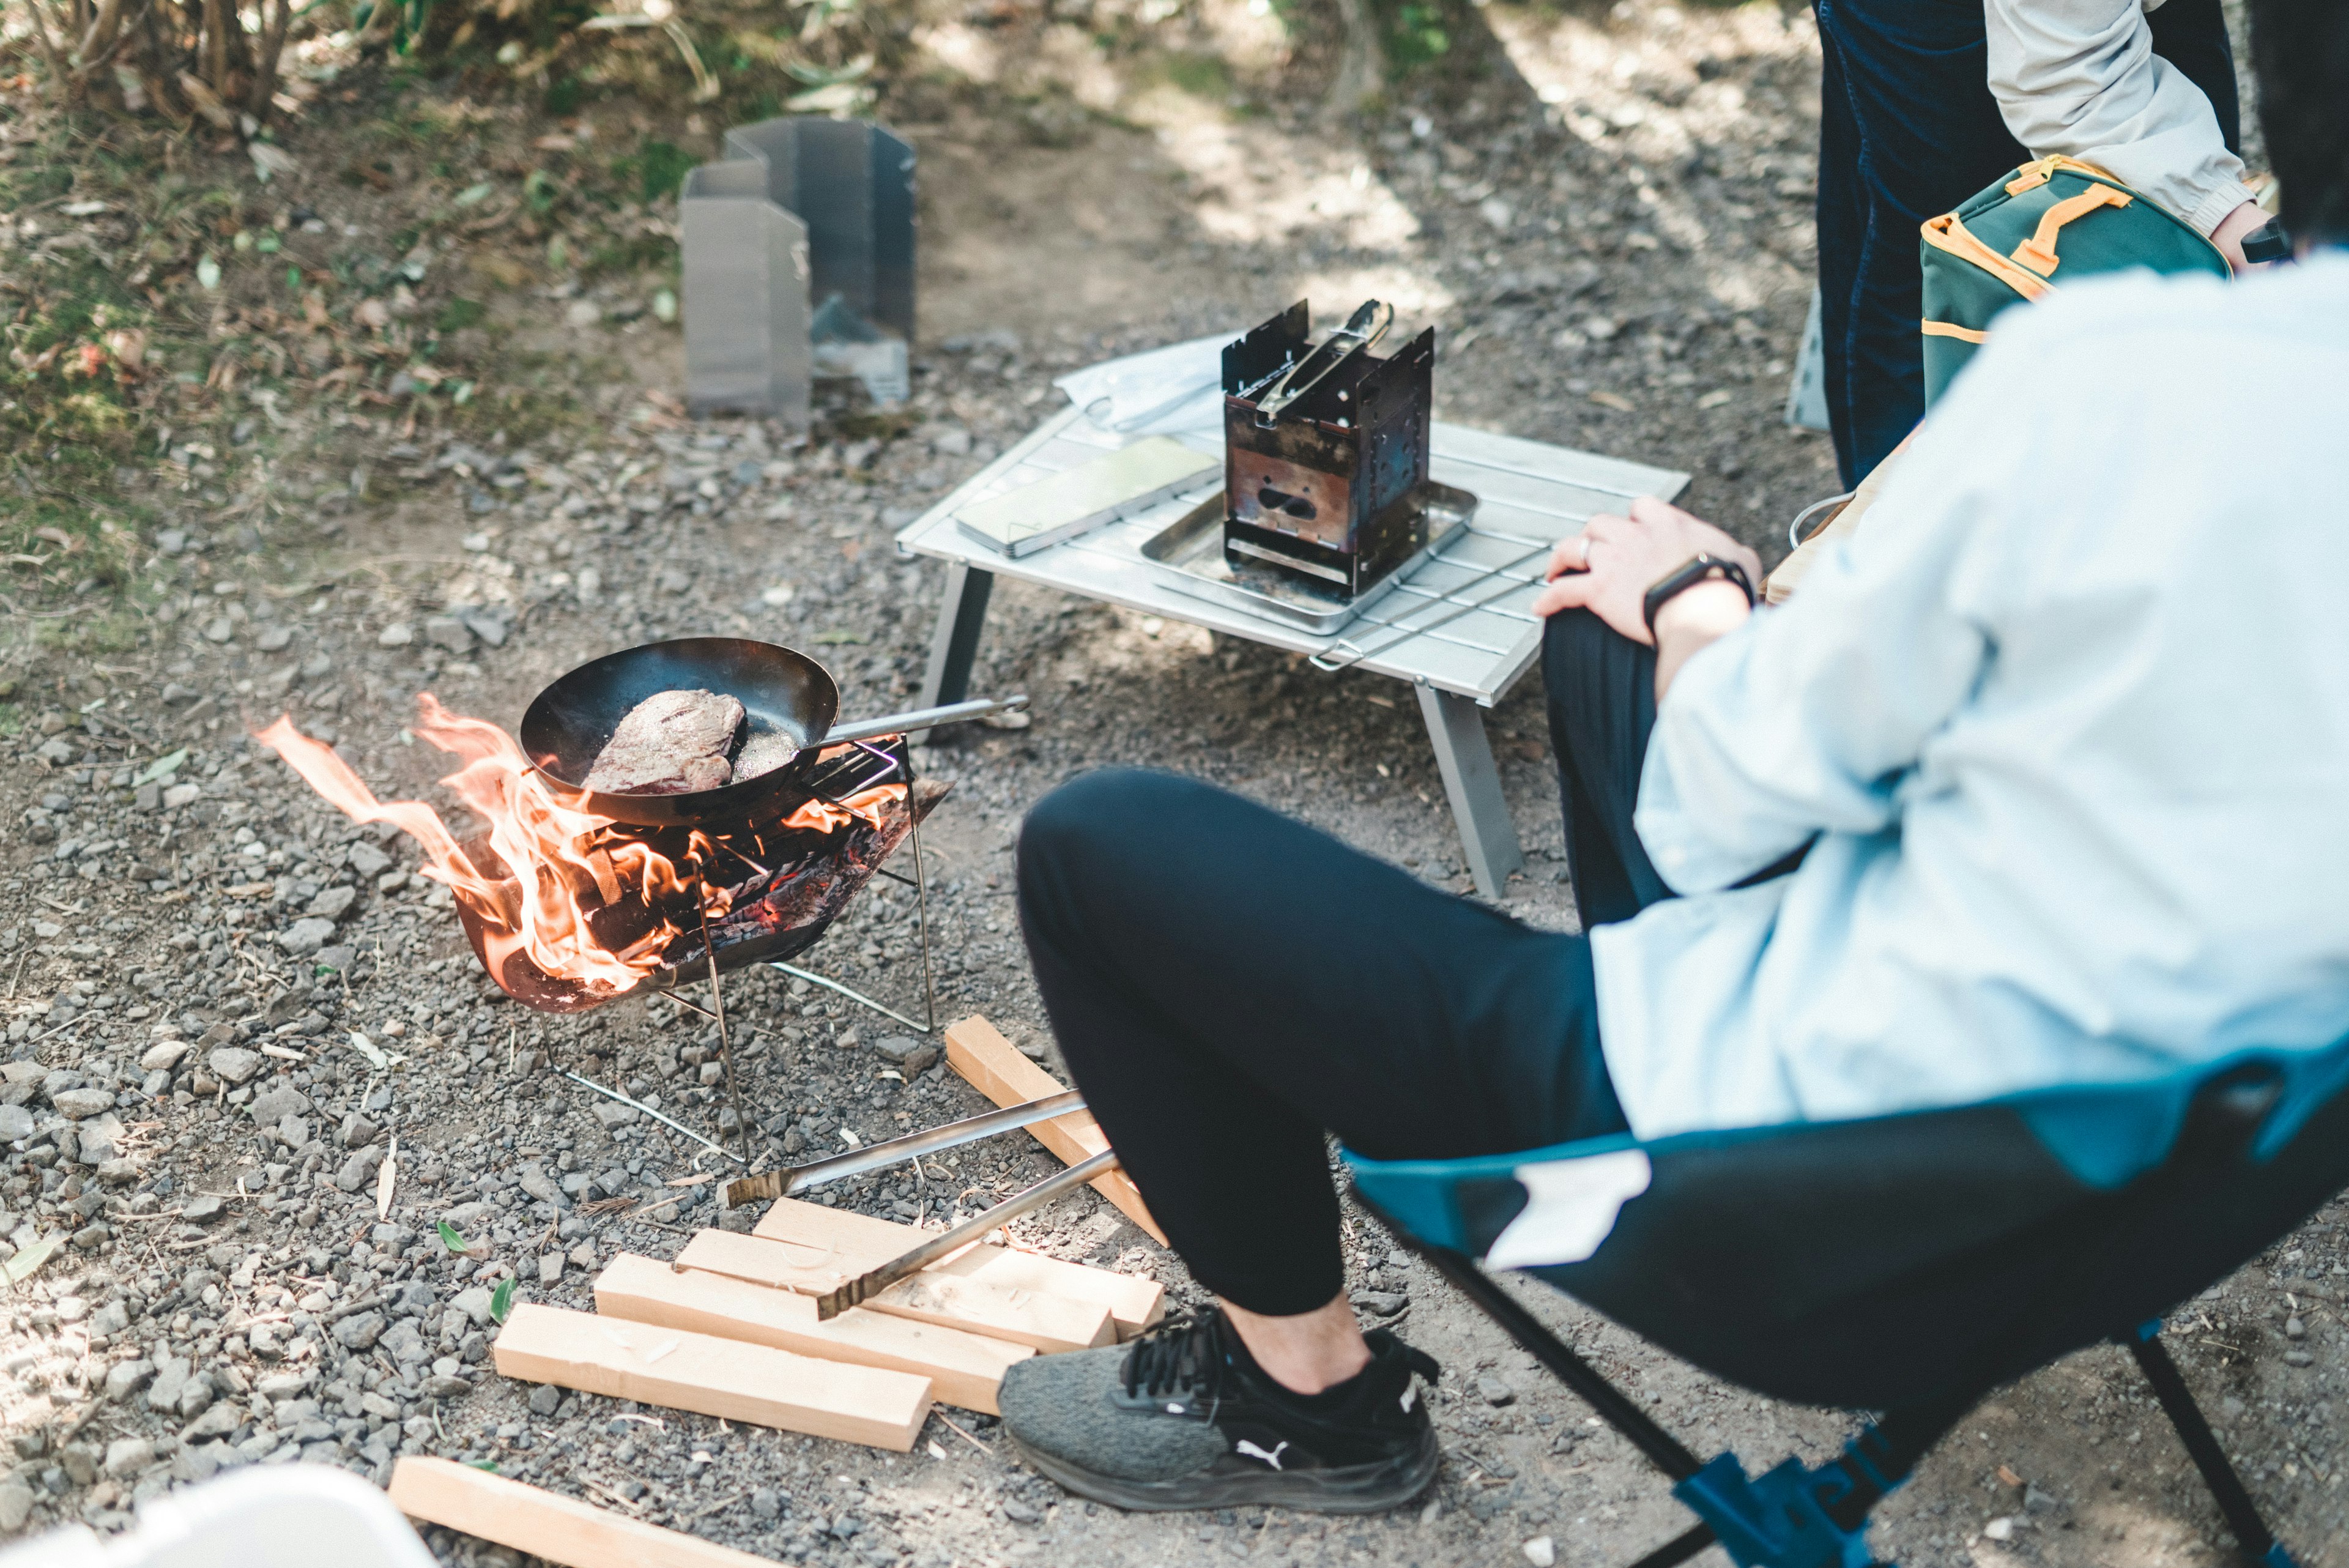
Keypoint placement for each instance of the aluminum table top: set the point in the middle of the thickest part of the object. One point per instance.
(1531, 495)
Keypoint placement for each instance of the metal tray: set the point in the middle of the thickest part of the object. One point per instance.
(1187, 556)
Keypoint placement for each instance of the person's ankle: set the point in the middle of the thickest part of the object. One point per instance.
(1304, 1353)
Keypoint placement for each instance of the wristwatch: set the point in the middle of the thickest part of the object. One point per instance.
(1694, 570)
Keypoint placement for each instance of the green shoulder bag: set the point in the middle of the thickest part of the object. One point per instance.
(2057, 217)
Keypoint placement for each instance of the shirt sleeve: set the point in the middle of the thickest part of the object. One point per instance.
(1812, 717)
(2079, 78)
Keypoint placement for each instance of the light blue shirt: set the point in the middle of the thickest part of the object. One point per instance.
(2068, 719)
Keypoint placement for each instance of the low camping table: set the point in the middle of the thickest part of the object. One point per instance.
(1530, 496)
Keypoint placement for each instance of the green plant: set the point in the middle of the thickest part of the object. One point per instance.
(459, 313)
(502, 1299)
(659, 168)
(1416, 37)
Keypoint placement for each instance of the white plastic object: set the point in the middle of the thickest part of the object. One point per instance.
(283, 1516)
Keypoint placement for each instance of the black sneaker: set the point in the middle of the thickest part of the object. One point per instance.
(1184, 1418)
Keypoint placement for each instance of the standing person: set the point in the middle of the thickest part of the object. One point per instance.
(1924, 102)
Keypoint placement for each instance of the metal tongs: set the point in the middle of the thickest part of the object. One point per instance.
(1362, 329)
(798, 1179)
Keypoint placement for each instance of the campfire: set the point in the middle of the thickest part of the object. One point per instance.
(568, 910)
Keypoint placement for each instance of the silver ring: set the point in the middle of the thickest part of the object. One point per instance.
(1584, 540)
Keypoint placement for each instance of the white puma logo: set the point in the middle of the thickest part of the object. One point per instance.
(1410, 1396)
(1252, 1451)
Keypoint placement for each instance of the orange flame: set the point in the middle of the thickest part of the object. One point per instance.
(547, 848)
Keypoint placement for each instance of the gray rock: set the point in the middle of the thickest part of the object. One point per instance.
(128, 1456)
(367, 859)
(196, 1398)
(274, 1106)
(1018, 1512)
(766, 1502)
(907, 1054)
(203, 1206)
(360, 1331)
(16, 1506)
(404, 1342)
(358, 1132)
(111, 1319)
(118, 1171)
(614, 1114)
(545, 1399)
(234, 1065)
(447, 631)
(125, 1378)
(273, 639)
(170, 1382)
(1492, 1391)
(550, 1269)
(359, 1170)
(1380, 1303)
(78, 1104)
(16, 1124)
(305, 935)
(218, 1421)
(534, 1181)
(163, 1056)
(474, 1302)
(333, 903)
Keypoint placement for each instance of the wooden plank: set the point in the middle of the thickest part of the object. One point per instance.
(963, 1368)
(721, 1377)
(992, 1066)
(861, 1242)
(540, 1524)
(1047, 1322)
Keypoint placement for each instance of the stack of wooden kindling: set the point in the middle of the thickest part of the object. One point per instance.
(729, 1327)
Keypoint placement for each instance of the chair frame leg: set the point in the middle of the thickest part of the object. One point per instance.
(2258, 1543)
(1838, 1497)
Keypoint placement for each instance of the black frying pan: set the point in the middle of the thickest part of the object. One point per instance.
(571, 721)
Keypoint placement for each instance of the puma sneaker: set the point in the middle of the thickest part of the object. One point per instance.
(1184, 1418)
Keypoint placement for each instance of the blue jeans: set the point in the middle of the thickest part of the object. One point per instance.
(1909, 130)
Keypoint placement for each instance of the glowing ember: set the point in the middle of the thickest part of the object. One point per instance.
(552, 853)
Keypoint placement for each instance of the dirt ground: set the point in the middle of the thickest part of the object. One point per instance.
(1609, 222)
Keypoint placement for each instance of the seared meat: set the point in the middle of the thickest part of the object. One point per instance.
(766, 750)
(674, 743)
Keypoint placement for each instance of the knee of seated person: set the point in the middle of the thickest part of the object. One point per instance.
(1092, 822)
(1577, 634)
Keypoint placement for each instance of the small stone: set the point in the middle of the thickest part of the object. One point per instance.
(766, 1502)
(2293, 1327)
(1380, 1303)
(111, 1319)
(273, 639)
(358, 1132)
(163, 1056)
(360, 1331)
(203, 1206)
(613, 1115)
(905, 1053)
(234, 1065)
(220, 628)
(1018, 1512)
(447, 631)
(1999, 1528)
(359, 1170)
(16, 1506)
(305, 935)
(269, 1109)
(128, 1456)
(545, 1399)
(1492, 1391)
(16, 1124)
(333, 903)
(474, 1302)
(181, 795)
(550, 1268)
(365, 860)
(398, 634)
(2298, 1358)
(75, 1105)
(125, 1378)
(1541, 1552)
(170, 1382)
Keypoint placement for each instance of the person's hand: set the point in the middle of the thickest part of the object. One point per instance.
(2231, 232)
(1610, 567)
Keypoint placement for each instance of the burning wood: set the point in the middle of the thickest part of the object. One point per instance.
(568, 910)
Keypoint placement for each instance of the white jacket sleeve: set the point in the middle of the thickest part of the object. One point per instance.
(2079, 78)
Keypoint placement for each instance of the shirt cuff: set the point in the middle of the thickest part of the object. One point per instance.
(2212, 210)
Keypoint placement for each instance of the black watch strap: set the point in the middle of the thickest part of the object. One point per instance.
(1694, 570)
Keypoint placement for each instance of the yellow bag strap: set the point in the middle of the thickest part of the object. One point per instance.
(2031, 176)
(1951, 329)
(1947, 233)
(2038, 251)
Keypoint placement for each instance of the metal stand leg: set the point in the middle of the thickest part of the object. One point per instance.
(955, 642)
(1472, 783)
(2242, 1515)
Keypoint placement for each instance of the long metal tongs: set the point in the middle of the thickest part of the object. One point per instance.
(1362, 329)
(771, 1184)
(872, 1282)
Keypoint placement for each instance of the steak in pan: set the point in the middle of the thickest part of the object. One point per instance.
(673, 742)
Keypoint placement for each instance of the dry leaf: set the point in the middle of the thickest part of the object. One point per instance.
(385, 1178)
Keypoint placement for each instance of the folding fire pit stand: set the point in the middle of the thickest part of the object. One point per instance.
(799, 262)
(1460, 636)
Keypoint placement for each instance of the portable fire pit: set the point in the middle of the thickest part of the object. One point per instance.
(772, 883)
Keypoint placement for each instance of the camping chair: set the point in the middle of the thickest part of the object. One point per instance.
(1907, 1265)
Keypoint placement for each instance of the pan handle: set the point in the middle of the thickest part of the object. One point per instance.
(921, 718)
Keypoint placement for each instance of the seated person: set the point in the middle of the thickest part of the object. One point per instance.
(2042, 779)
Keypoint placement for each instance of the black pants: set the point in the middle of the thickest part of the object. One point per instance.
(1909, 129)
(1226, 983)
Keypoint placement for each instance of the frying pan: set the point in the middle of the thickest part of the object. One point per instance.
(569, 723)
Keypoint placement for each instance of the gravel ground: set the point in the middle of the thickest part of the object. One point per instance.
(1611, 229)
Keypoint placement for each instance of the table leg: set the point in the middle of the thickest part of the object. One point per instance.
(954, 644)
(1472, 783)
